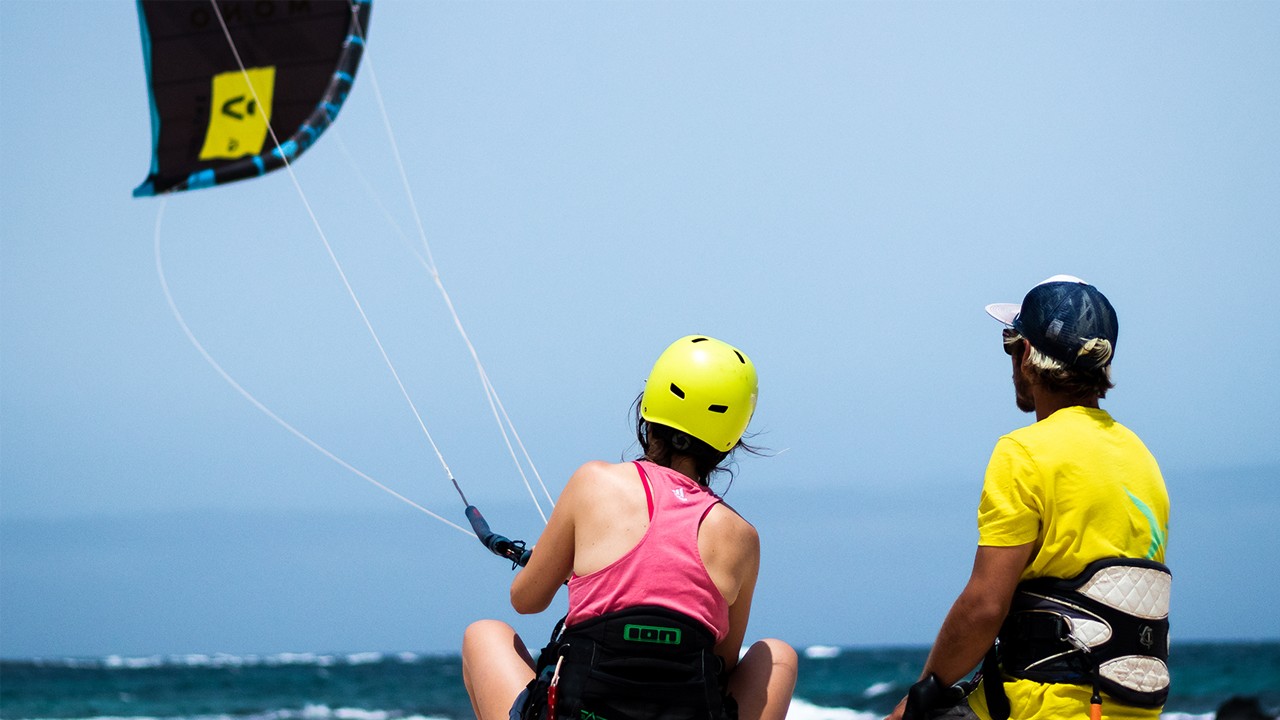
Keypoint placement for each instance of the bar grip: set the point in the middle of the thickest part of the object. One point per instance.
(513, 550)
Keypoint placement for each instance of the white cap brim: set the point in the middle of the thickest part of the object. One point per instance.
(1004, 312)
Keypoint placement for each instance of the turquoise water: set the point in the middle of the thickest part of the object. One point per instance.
(835, 683)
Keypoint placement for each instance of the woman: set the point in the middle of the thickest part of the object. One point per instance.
(660, 573)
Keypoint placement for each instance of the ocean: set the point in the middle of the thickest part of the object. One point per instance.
(835, 684)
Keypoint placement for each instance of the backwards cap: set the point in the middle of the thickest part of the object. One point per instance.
(1059, 316)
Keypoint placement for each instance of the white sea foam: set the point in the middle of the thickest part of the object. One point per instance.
(290, 658)
(71, 662)
(221, 660)
(314, 712)
(801, 710)
(878, 689)
(355, 714)
(364, 658)
(821, 652)
(266, 716)
(323, 712)
(132, 663)
(359, 714)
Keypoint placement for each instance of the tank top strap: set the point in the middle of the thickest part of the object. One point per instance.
(676, 500)
(648, 487)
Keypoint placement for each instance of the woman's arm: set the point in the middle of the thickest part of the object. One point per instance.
(743, 546)
(552, 560)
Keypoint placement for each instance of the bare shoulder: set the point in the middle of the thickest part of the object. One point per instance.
(609, 513)
(599, 471)
(596, 480)
(728, 525)
(730, 549)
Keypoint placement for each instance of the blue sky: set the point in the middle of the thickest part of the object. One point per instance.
(837, 188)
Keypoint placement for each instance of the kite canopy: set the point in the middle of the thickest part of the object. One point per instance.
(212, 115)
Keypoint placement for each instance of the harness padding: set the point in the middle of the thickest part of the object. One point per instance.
(1141, 592)
(1109, 626)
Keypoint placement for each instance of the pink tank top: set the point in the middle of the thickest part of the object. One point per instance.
(665, 568)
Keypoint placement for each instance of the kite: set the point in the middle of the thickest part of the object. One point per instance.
(240, 88)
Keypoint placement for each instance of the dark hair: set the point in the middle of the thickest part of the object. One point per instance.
(661, 443)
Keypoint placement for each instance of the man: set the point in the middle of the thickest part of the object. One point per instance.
(1072, 525)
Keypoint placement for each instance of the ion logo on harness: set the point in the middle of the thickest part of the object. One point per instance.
(651, 634)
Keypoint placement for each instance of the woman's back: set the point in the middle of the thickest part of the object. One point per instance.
(664, 566)
(613, 516)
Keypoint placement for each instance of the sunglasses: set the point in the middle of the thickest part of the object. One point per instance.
(1011, 338)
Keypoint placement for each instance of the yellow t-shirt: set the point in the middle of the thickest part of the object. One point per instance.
(1082, 487)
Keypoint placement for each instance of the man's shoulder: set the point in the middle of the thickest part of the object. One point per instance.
(1070, 422)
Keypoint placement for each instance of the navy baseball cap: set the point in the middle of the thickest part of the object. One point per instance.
(1059, 316)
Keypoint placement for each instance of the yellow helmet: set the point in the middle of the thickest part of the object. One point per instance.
(703, 387)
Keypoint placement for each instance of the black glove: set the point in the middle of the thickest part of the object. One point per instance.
(929, 697)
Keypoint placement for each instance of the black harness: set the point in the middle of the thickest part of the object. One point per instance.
(643, 662)
(1107, 628)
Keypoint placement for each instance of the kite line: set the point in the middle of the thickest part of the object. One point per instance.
(282, 156)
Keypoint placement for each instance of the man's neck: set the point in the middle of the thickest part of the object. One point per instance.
(1048, 403)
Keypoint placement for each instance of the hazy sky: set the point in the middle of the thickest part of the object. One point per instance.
(836, 188)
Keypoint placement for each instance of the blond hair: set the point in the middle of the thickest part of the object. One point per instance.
(1076, 382)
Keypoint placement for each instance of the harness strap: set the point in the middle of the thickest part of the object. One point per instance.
(1107, 628)
(642, 662)
(993, 687)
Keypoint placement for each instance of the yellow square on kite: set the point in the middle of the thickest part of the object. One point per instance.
(239, 114)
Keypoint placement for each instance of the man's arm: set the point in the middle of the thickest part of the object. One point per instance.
(975, 617)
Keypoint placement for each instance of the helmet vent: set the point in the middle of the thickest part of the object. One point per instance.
(675, 390)
(740, 358)
(718, 409)
(699, 339)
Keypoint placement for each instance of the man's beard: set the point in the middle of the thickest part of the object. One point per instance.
(1022, 395)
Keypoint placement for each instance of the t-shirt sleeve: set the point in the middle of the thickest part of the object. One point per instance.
(1009, 510)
